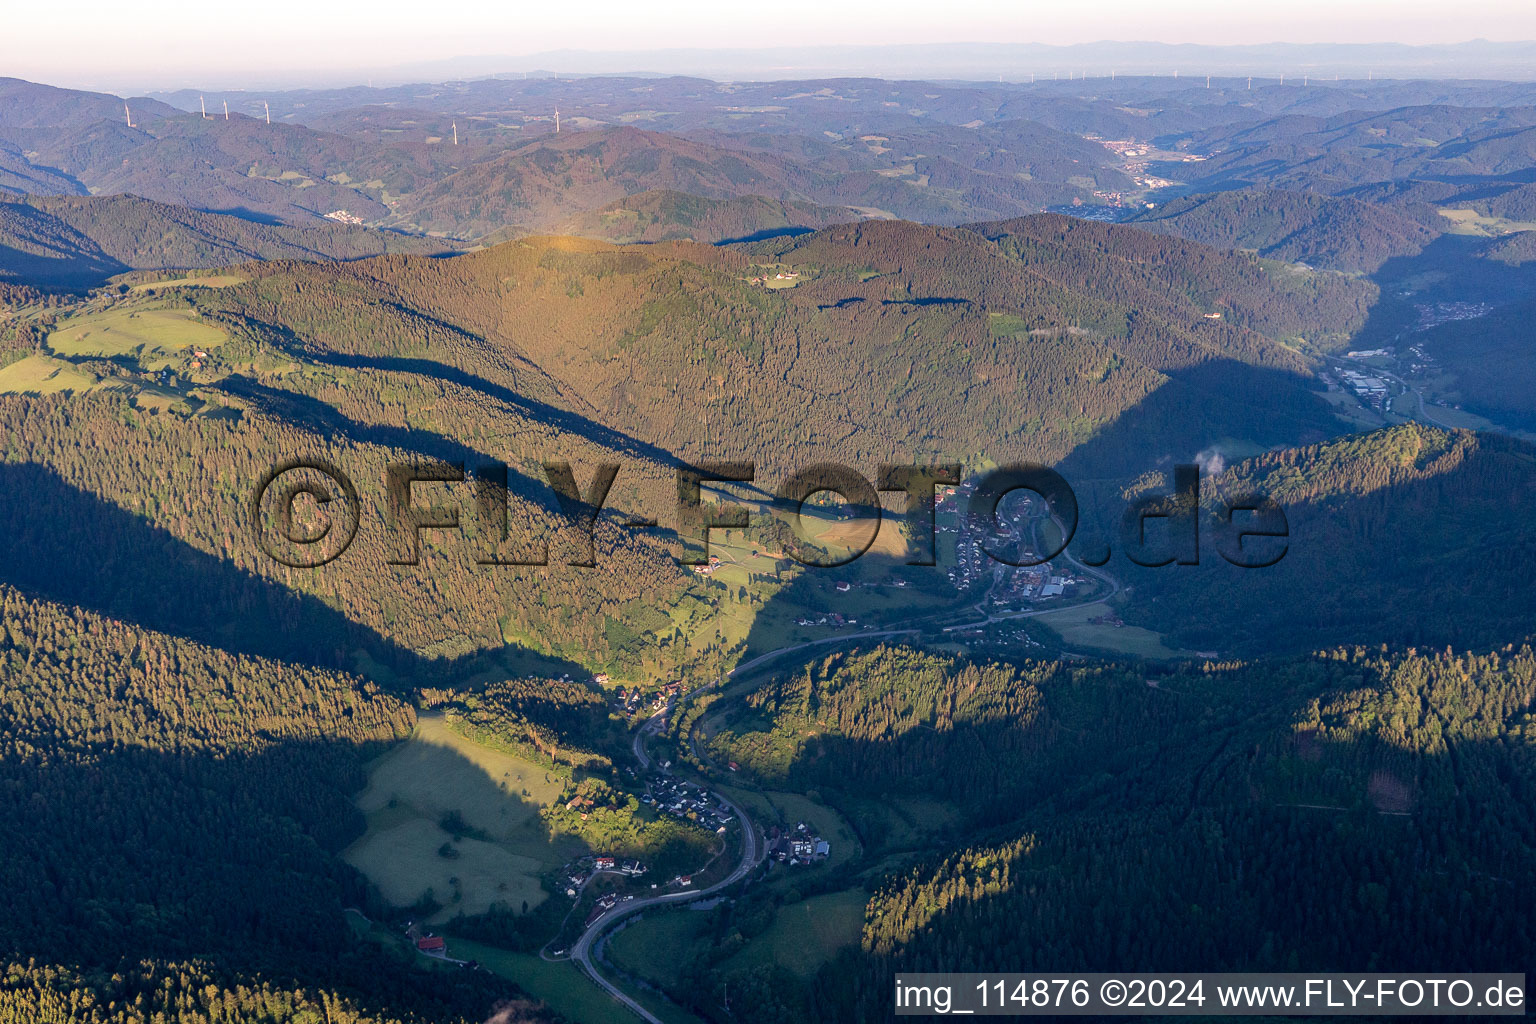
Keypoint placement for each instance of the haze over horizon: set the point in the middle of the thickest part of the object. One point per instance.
(171, 44)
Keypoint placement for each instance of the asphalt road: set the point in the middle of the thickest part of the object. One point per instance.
(752, 853)
(753, 850)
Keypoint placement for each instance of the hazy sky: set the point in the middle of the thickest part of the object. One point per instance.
(169, 43)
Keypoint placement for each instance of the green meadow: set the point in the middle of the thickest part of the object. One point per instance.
(152, 336)
(42, 375)
(500, 846)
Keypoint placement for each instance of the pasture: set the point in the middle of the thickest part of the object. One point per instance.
(1075, 629)
(492, 799)
(650, 947)
(807, 934)
(42, 375)
(197, 281)
(153, 337)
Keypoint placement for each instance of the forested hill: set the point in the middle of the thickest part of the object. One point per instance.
(1323, 231)
(664, 216)
(1409, 535)
(699, 350)
(1279, 816)
(1272, 815)
(173, 858)
(544, 182)
(80, 241)
(1332, 154)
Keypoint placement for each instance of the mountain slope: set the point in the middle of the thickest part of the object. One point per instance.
(80, 241)
(1406, 536)
(1323, 231)
(1028, 344)
(666, 216)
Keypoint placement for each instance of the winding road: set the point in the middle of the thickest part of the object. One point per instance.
(752, 853)
(753, 848)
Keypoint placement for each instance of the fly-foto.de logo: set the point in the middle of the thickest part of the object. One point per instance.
(306, 512)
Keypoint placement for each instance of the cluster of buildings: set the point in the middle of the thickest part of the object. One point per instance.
(787, 275)
(687, 801)
(630, 701)
(1435, 314)
(580, 872)
(1034, 583)
(343, 217)
(834, 620)
(1369, 389)
(802, 846)
(605, 903)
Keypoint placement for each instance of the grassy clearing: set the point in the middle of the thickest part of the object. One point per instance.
(560, 984)
(657, 946)
(42, 375)
(150, 335)
(1470, 222)
(1072, 625)
(199, 281)
(504, 845)
(806, 935)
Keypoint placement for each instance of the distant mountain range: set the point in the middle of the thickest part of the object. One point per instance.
(973, 61)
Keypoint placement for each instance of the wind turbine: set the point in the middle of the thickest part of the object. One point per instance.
(128, 115)
(455, 133)
(204, 106)
(268, 110)
(226, 110)
(557, 120)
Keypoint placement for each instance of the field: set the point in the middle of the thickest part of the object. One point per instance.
(807, 934)
(1075, 630)
(151, 335)
(804, 936)
(42, 375)
(503, 846)
(657, 946)
(558, 983)
(1470, 222)
(199, 281)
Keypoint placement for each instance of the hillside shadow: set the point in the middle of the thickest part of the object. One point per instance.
(1134, 782)
(1216, 400)
(226, 857)
(324, 419)
(1449, 269)
(1444, 560)
(1221, 409)
(533, 408)
(69, 270)
(767, 233)
(66, 545)
(1487, 356)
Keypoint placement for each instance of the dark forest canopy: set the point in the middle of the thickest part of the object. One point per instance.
(162, 793)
